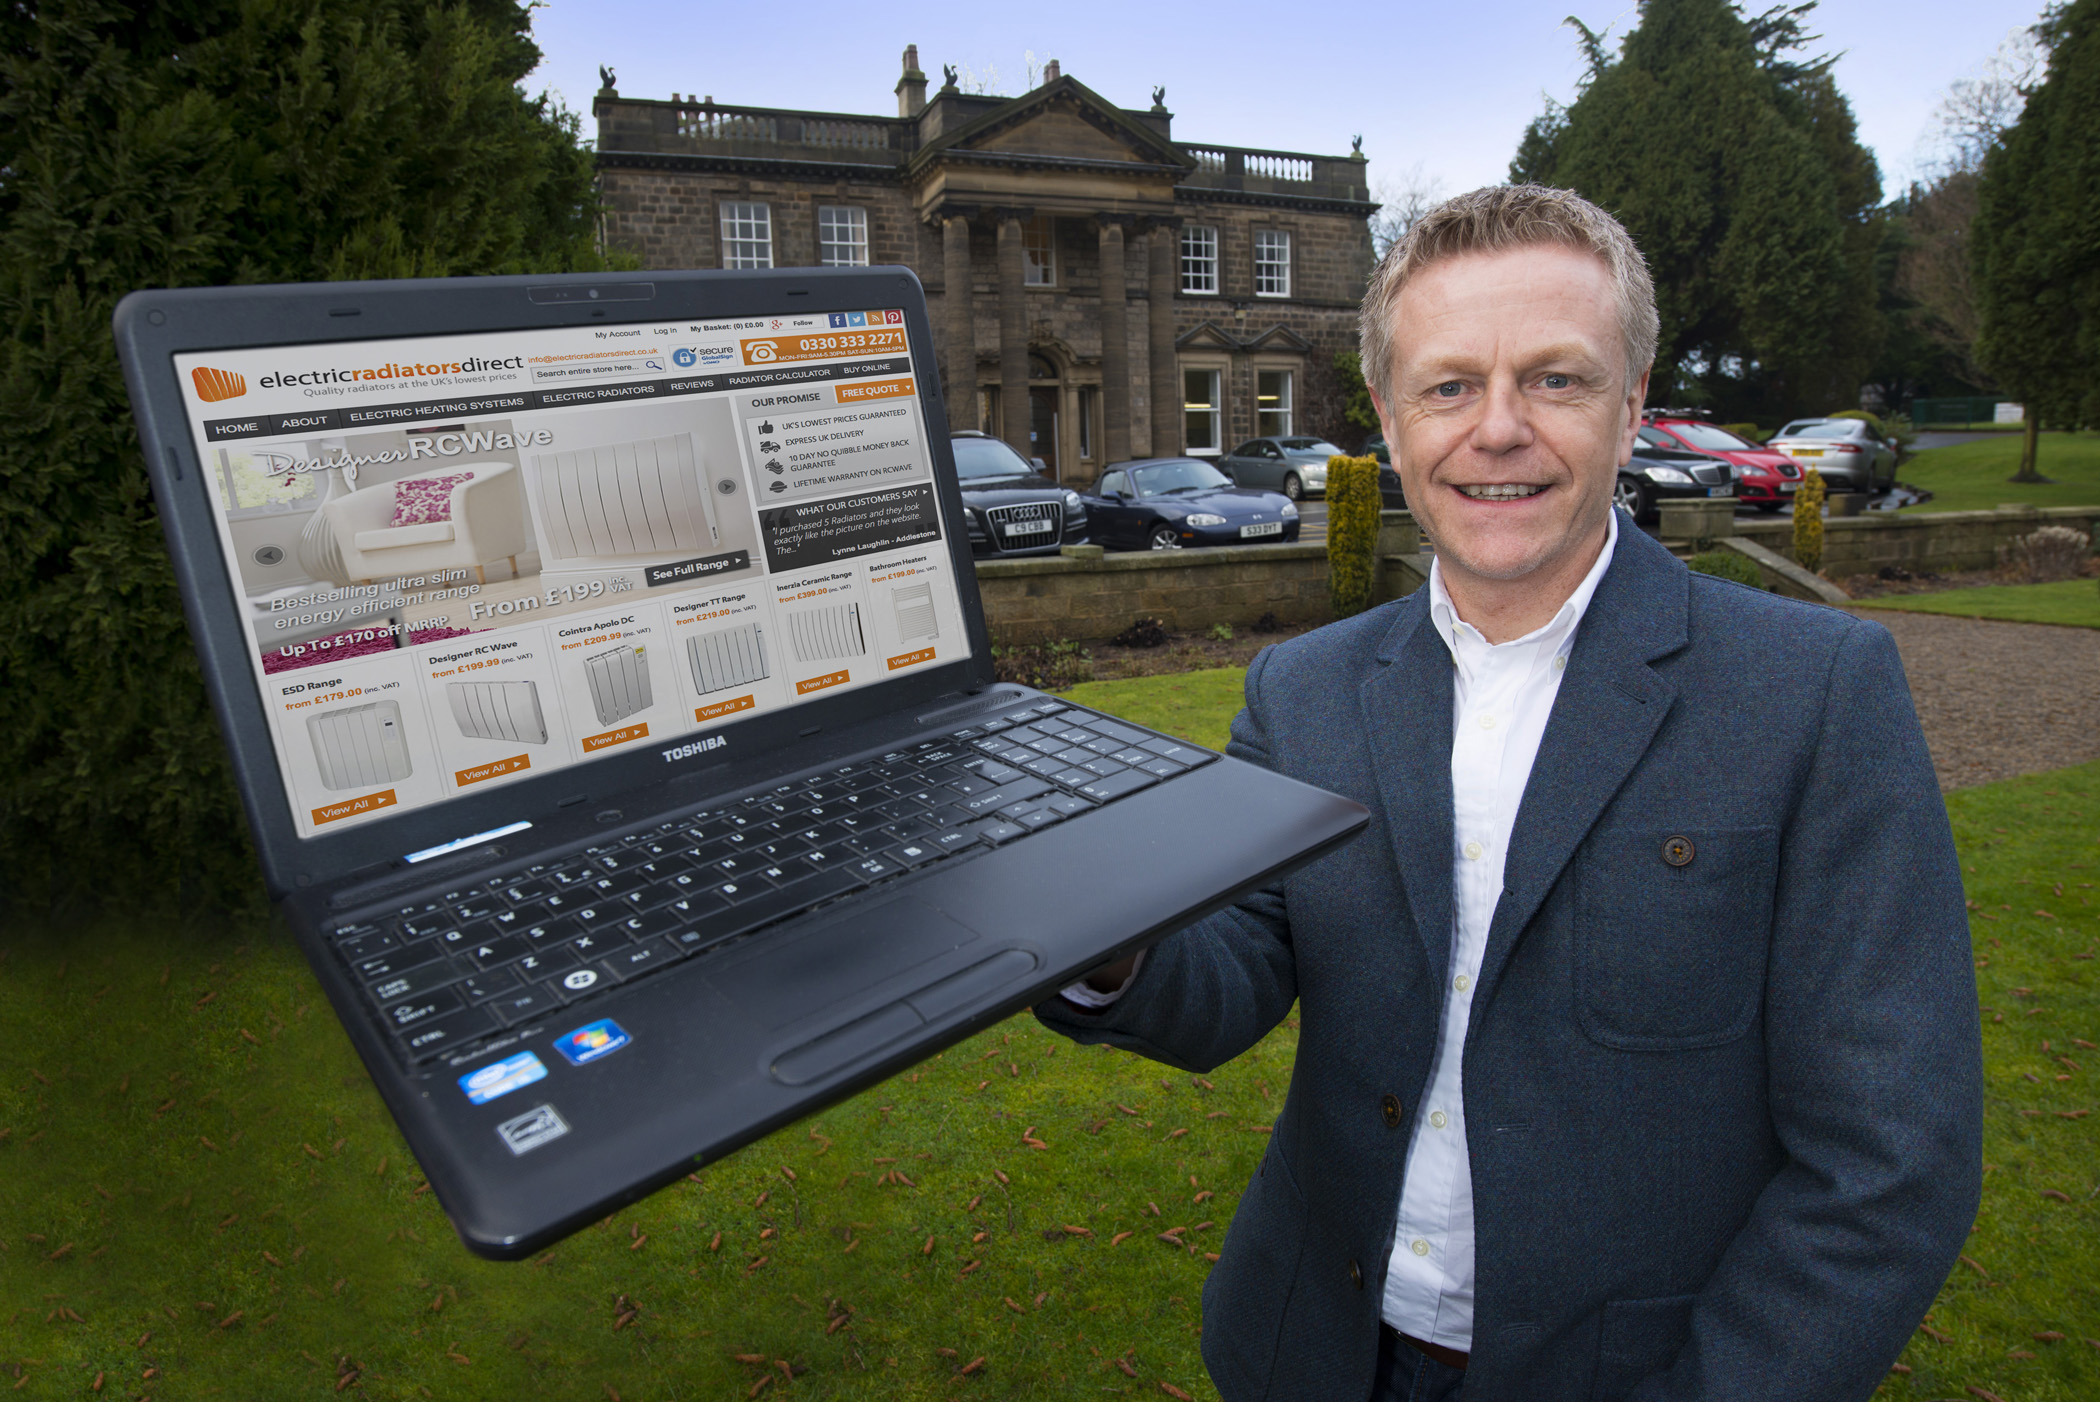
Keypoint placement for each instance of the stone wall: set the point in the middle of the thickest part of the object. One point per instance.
(1044, 599)
(1936, 543)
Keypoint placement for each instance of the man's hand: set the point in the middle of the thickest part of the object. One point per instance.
(1113, 976)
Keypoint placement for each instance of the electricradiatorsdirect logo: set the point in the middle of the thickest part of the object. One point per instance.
(214, 385)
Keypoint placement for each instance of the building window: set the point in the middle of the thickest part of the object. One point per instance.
(1089, 405)
(1202, 410)
(1038, 254)
(842, 236)
(1199, 261)
(747, 235)
(1272, 403)
(1272, 263)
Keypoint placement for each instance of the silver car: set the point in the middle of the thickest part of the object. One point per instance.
(1848, 452)
(1295, 466)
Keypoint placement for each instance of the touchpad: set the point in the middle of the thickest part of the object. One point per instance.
(780, 979)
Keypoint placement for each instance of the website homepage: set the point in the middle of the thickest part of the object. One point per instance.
(466, 560)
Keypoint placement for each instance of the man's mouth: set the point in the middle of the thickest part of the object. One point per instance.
(1501, 491)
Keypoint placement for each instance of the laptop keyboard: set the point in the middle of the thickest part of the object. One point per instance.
(446, 974)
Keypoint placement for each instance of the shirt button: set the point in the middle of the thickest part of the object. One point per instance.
(1420, 1247)
(1437, 1118)
(1474, 851)
(1487, 722)
(1462, 983)
(1559, 663)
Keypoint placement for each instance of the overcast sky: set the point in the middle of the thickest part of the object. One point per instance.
(1446, 89)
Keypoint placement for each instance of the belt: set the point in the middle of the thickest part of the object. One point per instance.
(1449, 1357)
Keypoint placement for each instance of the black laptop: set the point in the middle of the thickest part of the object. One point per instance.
(604, 675)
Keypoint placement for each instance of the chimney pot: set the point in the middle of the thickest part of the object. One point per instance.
(1051, 72)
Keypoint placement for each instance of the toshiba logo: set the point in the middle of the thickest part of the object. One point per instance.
(214, 385)
(697, 747)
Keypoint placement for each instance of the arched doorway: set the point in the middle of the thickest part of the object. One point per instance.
(1045, 412)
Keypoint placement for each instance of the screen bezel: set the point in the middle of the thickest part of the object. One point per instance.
(152, 327)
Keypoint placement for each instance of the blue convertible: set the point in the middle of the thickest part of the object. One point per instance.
(1168, 503)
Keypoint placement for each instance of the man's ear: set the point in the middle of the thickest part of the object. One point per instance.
(1385, 420)
(1636, 398)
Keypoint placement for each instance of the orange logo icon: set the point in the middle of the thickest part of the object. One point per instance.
(214, 385)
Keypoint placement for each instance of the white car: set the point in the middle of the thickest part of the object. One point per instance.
(1848, 452)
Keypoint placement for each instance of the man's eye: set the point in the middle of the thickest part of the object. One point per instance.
(1450, 389)
(1558, 381)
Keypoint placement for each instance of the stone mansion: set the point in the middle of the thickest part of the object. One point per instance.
(1103, 290)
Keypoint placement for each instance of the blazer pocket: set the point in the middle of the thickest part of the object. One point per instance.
(1247, 1292)
(1638, 1339)
(1671, 929)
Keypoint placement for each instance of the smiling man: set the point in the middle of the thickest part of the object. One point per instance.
(1634, 1062)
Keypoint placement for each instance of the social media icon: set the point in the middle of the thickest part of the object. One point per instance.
(684, 356)
(856, 318)
(838, 318)
(894, 318)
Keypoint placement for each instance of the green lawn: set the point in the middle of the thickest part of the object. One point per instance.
(197, 1179)
(2075, 602)
(1972, 476)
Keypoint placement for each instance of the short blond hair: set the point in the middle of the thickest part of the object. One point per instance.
(1494, 220)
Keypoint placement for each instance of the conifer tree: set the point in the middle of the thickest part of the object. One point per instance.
(185, 143)
(2037, 263)
(1737, 168)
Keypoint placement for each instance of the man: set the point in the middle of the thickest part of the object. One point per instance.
(1639, 1054)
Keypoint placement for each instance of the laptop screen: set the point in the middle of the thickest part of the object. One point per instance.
(468, 559)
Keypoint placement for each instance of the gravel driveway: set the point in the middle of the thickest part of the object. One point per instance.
(1999, 699)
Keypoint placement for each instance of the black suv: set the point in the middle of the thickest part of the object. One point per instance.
(1013, 509)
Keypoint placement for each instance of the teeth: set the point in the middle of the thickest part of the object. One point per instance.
(1501, 491)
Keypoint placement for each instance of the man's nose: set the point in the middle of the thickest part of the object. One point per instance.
(1505, 419)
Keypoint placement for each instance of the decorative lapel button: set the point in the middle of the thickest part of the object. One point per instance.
(1356, 1275)
(1390, 1108)
(1677, 851)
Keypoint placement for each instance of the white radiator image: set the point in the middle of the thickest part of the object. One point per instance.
(728, 657)
(359, 746)
(915, 619)
(821, 634)
(643, 498)
(619, 683)
(498, 711)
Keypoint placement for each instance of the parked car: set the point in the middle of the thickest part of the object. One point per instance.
(1848, 452)
(1297, 467)
(1169, 503)
(1654, 474)
(1013, 509)
(1769, 478)
(1392, 497)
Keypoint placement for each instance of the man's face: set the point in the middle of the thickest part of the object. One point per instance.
(1509, 413)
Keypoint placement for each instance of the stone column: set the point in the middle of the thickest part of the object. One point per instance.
(1013, 336)
(1165, 259)
(1115, 345)
(960, 313)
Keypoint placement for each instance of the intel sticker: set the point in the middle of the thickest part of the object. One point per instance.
(502, 1077)
(532, 1129)
(591, 1041)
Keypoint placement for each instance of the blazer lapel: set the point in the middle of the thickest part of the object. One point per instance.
(1407, 719)
(1610, 704)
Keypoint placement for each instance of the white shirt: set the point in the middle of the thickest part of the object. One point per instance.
(1501, 696)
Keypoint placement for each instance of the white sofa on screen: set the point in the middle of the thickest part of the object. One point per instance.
(488, 524)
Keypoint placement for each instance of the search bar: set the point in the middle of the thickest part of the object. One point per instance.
(596, 370)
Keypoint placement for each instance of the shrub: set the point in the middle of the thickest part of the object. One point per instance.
(1221, 632)
(1808, 522)
(1144, 632)
(1352, 533)
(1044, 666)
(2053, 552)
(1726, 564)
(1749, 431)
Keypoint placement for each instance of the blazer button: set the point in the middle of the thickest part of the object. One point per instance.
(1356, 1275)
(1389, 1106)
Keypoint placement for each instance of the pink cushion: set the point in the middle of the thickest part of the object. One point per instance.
(422, 501)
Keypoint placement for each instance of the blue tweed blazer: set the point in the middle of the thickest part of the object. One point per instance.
(1724, 1118)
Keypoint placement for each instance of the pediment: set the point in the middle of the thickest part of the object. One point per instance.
(1278, 338)
(1206, 336)
(1061, 121)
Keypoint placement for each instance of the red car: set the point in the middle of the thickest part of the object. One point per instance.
(1769, 479)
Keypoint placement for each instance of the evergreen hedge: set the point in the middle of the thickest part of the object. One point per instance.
(1726, 564)
(186, 144)
(1808, 521)
(1352, 533)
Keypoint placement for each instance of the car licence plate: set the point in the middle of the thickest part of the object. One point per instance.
(1720, 491)
(1265, 528)
(1806, 452)
(1038, 527)
(1785, 487)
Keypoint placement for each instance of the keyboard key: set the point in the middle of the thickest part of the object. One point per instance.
(592, 916)
(876, 868)
(998, 830)
(445, 1034)
(522, 1004)
(476, 908)
(1103, 768)
(542, 964)
(1164, 768)
(429, 1008)
(368, 945)
(611, 888)
(952, 839)
(1128, 782)
(1039, 818)
(417, 926)
(639, 959)
(418, 981)
(476, 988)
(1179, 753)
(1006, 793)
(399, 960)
(1073, 778)
(595, 943)
(1068, 804)
(1049, 766)
(1118, 731)
(577, 982)
(490, 953)
(548, 933)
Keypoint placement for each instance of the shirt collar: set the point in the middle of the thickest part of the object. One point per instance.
(1559, 629)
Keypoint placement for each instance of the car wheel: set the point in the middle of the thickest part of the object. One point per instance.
(1635, 497)
(1164, 538)
(1292, 487)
